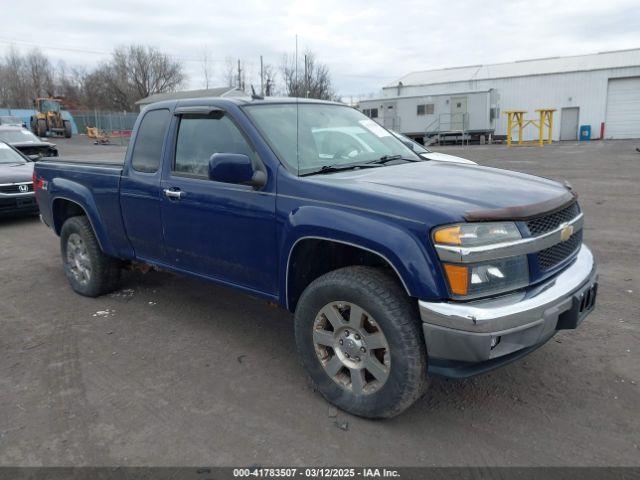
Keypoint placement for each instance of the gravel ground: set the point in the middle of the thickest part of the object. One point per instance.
(173, 371)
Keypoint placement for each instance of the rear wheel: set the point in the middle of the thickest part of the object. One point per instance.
(89, 271)
(359, 338)
(67, 129)
(41, 127)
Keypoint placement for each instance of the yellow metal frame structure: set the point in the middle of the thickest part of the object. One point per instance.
(515, 119)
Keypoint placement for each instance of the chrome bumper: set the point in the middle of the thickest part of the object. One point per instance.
(485, 330)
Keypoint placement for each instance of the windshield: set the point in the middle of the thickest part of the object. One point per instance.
(9, 155)
(321, 135)
(18, 136)
(49, 106)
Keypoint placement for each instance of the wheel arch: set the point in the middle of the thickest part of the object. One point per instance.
(312, 250)
(69, 205)
(298, 279)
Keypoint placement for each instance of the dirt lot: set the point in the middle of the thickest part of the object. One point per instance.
(172, 371)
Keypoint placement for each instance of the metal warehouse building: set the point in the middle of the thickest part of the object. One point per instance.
(600, 90)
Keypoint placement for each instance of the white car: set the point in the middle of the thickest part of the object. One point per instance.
(429, 154)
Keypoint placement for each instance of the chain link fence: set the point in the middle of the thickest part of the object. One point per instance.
(114, 127)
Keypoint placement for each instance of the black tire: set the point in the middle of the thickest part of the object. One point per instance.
(386, 301)
(67, 129)
(104, 276)
(41, 127)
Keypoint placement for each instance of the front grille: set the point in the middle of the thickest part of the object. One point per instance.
(15, 188)
(549, 222)
(552, 256)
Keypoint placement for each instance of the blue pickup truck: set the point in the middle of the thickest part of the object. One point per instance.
(395, 266)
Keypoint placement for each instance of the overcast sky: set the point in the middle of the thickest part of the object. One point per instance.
(366, 44)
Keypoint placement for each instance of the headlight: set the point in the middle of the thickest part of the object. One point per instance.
(475, 234)
(473, 280)
(488, 278)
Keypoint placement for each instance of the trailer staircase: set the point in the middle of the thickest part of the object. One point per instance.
(447, 128)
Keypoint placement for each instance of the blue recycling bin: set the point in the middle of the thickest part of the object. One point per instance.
(585, 132)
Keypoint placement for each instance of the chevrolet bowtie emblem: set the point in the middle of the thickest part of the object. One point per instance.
(566, 232)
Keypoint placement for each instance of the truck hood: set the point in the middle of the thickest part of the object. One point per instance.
(16, 174)
(456, 191)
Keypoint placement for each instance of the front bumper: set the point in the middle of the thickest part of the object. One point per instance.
(465, 339)
(18, 204)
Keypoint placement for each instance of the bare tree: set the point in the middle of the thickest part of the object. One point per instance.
(39, 74)
(206, 67)
(70, 85)
(15, 91)
(99, 91)
(307, 78)
(133, 73)
(147, 70)
(230, 75)
(269, 75)
(24, 78)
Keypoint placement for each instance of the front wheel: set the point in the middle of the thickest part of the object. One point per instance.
(89, 271)
(67, 129)
(359, 338)
(41, 127)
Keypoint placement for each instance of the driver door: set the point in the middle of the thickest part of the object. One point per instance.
(223, 231)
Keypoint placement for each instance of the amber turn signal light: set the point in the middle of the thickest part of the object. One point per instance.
(458, 277)
(449, 235)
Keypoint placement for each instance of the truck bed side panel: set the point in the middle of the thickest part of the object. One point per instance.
(95, 188)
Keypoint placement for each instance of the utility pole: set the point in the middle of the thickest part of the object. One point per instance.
(306, 78)
(239, 76)
(261, 77)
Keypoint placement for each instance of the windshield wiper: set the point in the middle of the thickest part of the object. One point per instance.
(338, 168)
(389, 158)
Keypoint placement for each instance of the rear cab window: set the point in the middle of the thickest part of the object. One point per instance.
(147, 151)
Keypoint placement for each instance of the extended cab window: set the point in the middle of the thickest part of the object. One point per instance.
(199, 137)
(148, 147)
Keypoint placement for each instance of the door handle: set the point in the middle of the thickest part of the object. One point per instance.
(173, 194)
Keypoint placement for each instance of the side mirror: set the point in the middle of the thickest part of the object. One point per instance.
(235, 168)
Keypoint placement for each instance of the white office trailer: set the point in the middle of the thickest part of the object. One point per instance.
(600, 91)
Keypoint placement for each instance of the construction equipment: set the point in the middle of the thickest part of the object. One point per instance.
(48, 119)
(100, 137)
(515, 120)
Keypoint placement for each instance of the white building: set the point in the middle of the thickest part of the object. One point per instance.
(601, 90)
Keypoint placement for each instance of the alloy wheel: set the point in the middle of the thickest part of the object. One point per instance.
(351, 347)
(78, 259)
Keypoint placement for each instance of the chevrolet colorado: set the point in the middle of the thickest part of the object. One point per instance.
(395, 266)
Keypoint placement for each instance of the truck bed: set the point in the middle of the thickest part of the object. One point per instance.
(95, 186)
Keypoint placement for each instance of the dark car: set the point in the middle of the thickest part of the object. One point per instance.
(25, 141)
(16, 183)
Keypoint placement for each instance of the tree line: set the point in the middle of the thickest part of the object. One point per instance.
(134, 72)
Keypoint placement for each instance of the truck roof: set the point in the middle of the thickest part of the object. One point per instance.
(237, 101)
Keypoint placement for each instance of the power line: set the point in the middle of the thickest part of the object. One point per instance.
(50, 47)
(7, 41)
(179, 57)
